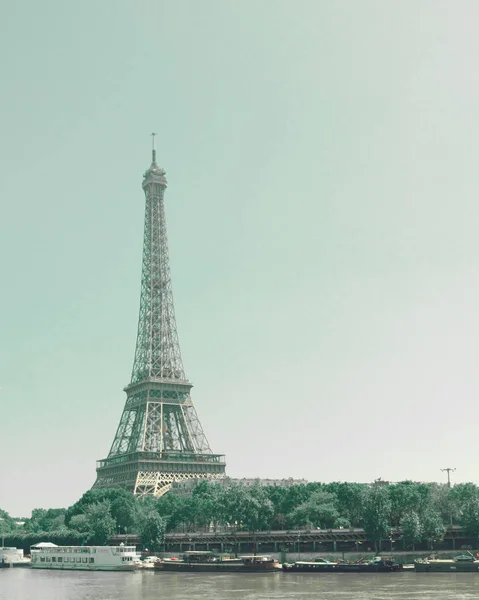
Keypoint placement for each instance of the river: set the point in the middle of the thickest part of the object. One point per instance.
(26, 584)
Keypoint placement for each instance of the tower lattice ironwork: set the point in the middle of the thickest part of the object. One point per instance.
(159, 439)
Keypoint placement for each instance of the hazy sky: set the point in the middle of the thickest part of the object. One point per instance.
(323, 224)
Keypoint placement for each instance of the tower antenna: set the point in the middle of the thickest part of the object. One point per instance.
(153, 147)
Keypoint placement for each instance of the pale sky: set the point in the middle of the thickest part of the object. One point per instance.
(323, 224)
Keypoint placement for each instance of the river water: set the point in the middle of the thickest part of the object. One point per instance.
(26, 584)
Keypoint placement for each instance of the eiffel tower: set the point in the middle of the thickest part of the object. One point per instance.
(159, 439)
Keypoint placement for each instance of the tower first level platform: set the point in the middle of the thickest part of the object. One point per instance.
(152, 473)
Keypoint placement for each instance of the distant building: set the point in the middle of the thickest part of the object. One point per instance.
(185, 488)
(249, 482)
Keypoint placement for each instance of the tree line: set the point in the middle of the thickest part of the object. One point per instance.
(422, 511)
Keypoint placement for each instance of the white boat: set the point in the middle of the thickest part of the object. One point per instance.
(149, 562)
(13, 557)
(84, 558)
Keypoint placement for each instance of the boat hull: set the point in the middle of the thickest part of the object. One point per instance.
(219, 567)
(84, 558)
(312, 567)
(130, 569)
(446, 566)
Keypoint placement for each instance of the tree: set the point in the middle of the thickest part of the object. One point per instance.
(100, 522)
(123, 510)
(432, 526)
(461, 498)
(277, 494)
(350, 501)
(469, 518)
(80, 523)
(257, 508)
(233, 500)
(7, 524)
(52, 519)
(411, 528)
(293, 497)
(405, 499)
(376, 514)
(445, 501)
(318, 511)
(120, 502)
(208, 504)
(171, 507)
(152, 529)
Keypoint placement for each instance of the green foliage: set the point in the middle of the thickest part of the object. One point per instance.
(319, 510)
(123, 510)
(80, 523)
(377, 512)
(411, 528)
(120, 501)
(152, 528)
(405, 499)
(350, 501)
(101, 523)
(52, 519)
(7, 524)
(432, 525)
(172, 508)
(420, 510)
(469, 518)
(257, 509)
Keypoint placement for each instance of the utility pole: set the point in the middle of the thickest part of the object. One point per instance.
(448, 470)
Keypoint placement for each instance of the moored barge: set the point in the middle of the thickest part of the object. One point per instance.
(320, 565)
(460, 564)
(209, 562)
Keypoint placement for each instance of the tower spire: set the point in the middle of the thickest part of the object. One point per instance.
(153, 148)
(159, 439)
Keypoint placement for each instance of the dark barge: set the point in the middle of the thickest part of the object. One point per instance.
(320, 565)
(209, 562)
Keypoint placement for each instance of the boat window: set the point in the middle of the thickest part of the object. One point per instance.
(85, 560)
(42, 559)
(78, 560)
(92, 560)
(60, 559)
(54, 559)
(49, 559)
(66, 559)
